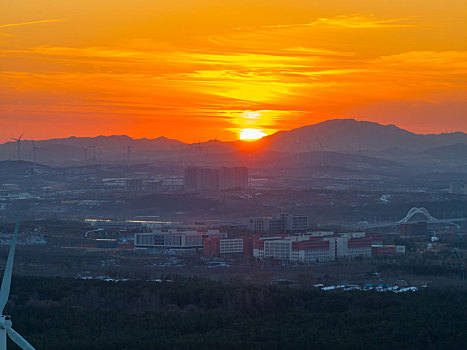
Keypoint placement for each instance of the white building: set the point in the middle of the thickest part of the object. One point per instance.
(231, 245)
(315, 248)
(278, 249)
(173, 241)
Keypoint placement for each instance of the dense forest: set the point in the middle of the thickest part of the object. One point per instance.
(59, 313)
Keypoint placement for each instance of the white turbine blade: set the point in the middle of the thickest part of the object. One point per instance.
(5, 290)
(19, 340)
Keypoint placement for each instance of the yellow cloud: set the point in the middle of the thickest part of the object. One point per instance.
(316, 51)
(359, 21)
(434, 59)
(28, 23)
(351, 21)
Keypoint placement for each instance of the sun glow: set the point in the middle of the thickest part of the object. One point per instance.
(251, 134)
(192, 70)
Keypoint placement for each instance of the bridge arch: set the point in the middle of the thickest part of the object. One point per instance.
(422, 211)
(415, 211)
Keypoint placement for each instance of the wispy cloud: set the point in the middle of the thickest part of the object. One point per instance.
(300, 50)
(359, 21)
(431, 59)
(28, 23)
(351, 21)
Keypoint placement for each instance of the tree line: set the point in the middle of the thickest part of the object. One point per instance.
(60, 313)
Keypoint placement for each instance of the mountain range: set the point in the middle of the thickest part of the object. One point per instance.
(352, 136)
(348, 136)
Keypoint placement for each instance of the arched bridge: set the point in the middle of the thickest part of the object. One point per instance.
(421, 212)
(417, 215)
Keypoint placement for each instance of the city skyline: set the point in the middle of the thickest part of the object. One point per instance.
(199, 70)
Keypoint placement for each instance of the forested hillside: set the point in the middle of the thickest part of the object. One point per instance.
(56, 313)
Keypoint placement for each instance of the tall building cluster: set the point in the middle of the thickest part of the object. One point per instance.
(279, 223)
(167, 184)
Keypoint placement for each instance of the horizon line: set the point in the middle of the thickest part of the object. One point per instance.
(237, 140)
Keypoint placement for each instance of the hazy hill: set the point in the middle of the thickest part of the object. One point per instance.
(17, 172)
(14, 168)
(340, 135)
(454, 153)
(81, 150)
(351, 136)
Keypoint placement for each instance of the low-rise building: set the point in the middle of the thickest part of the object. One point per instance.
(358, 247)
(217, 246)
(173, 241)
(315, 248)
(387, 250)
(314, 251)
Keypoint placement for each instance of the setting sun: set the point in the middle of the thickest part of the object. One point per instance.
(251, 134)
(196, 70)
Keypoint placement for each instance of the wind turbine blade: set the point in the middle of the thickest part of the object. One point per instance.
(19, 340)
(6, 282)
(19, 138)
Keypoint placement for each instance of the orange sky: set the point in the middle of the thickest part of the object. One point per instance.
(201, 69)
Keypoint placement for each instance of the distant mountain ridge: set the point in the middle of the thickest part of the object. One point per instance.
(352, 136)
(456, 152)
(338, 135)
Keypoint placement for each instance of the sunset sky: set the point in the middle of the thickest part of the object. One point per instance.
(204, 69)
